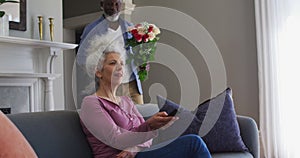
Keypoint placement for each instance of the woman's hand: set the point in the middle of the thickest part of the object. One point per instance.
(126, 154)
(161, 119)
(129, 152)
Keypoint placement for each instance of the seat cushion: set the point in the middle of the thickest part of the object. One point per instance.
(232, 155)
(53, 134)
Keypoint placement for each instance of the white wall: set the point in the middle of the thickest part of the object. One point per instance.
(47, 9)
(69, 59)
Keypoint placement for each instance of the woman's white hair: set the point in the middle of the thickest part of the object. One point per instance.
(97, 50)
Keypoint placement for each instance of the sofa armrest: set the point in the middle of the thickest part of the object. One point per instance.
(249, 134)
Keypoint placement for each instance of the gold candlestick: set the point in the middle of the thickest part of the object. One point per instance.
(51, 26)
(40, 27)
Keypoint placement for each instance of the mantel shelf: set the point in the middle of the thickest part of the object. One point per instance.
(36, 43)
(28, 75)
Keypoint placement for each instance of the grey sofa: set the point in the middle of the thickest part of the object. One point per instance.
(58, 134)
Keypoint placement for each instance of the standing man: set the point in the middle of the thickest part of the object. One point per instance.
(111, 23)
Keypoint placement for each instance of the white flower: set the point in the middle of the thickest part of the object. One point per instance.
(141, 30)
(156, 30)
(151, 36)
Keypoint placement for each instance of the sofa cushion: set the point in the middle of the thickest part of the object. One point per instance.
(13, 143)
(232, 155)
(219, 124)
(53, 134)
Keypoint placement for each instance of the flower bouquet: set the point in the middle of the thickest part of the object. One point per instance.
(142, 38)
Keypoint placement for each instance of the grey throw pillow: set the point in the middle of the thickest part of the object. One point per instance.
(219, 127)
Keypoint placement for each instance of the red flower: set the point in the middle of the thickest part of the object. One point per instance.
(138, 37)
(146, 38)
(150, 29)
(134, 31)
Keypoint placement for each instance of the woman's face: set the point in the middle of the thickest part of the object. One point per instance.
(112, 70)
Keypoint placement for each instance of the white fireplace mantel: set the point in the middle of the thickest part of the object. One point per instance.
(22, 58)
(36, 43)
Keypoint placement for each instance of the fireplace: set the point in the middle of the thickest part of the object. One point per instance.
(27, 74)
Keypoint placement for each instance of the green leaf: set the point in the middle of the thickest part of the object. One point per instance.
(144, 65)
(2, 13)
(151, 58)
(143, 75)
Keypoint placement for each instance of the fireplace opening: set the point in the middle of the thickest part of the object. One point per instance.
(14, 99)
(6, 110)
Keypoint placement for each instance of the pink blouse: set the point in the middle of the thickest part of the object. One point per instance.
(111, 128)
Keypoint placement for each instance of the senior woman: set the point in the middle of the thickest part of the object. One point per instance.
(112, 124)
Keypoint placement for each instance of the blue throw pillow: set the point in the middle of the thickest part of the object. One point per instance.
(186, 124)
(219, 127)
